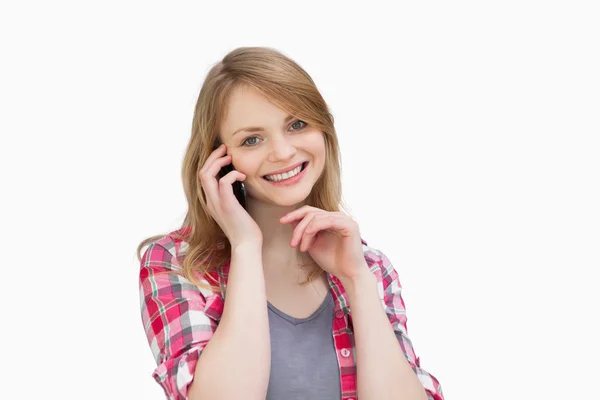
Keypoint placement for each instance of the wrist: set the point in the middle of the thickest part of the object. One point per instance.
(364, 278)
(247, 248)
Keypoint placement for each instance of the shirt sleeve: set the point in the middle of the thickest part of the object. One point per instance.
(396, 312)
(174, 320)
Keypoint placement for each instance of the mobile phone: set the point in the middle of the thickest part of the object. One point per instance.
(238, 188)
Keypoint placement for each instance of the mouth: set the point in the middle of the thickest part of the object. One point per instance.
(291, 176)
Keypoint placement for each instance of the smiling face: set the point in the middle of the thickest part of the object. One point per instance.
(276, 142)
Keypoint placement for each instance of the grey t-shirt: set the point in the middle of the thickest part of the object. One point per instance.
(304, 363)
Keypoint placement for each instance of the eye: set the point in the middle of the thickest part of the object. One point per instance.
(250, 144)
(301, 127)
(252, 141)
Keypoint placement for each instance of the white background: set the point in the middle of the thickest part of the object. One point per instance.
(470, 139)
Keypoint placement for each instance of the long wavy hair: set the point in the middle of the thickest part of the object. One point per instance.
(289, 87)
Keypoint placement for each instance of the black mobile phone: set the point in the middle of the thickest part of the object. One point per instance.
(238, 189)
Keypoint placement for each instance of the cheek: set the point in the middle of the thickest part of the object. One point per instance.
(313, 142)
(244, 164)
(318, 146)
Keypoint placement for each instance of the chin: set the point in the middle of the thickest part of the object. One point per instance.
(287, 201)
(282, 200)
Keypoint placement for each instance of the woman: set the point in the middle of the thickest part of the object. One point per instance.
(268, 290)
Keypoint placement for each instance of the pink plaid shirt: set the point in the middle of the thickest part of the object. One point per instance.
(179, 318)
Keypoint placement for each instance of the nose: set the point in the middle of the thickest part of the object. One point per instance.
(282, 148)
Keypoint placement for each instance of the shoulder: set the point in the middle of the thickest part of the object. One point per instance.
(166, 254)
(174, 243)
(379, 265)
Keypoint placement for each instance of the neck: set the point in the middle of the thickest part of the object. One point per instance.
(276, 250)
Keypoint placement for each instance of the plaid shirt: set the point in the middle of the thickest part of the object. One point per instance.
(179, 318)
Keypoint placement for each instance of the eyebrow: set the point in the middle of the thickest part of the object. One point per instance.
(258, 128)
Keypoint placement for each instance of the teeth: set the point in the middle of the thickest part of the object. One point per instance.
(286, 175)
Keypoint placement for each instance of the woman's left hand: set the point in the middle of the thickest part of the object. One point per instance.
(332, 239)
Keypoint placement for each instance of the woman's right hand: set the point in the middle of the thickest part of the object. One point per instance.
(223, 206)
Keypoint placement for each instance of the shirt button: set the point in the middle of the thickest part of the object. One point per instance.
(345, 352)
(339, 314)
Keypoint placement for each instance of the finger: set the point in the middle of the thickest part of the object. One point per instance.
(309, 242)
(216, 153)
(226, 182)
(297, 214)
(332, 222)
(339, 222)
(213, 169)
(227, 197)
(299, 229)
(317, 224)
(208, 176)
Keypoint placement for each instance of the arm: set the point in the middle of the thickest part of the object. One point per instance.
(236, 362)
(179, 330)
(379, 360)
(387, 367)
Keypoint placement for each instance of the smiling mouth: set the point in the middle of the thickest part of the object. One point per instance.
(302, 168)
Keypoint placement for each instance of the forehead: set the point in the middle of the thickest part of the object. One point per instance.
(246, 106)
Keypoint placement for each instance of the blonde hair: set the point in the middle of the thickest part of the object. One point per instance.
(289, 87)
